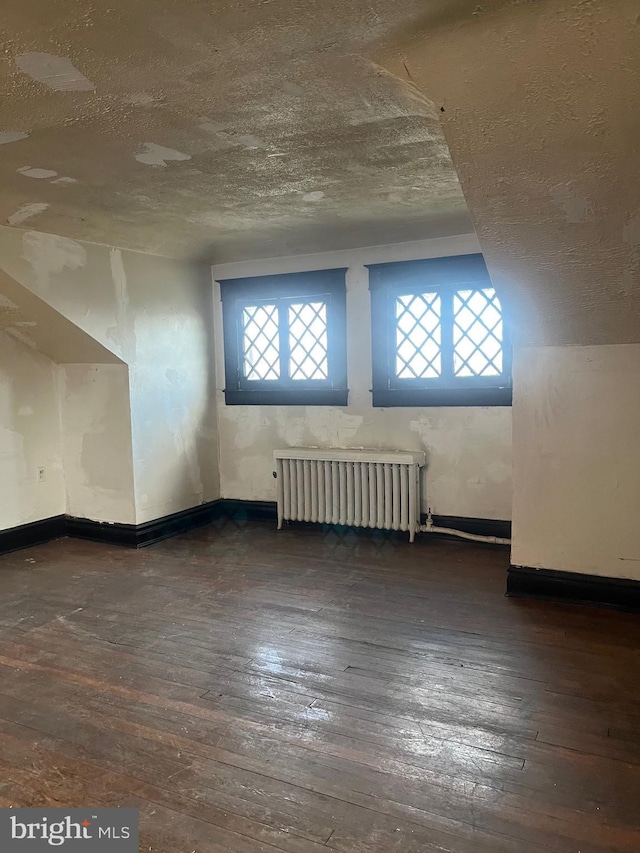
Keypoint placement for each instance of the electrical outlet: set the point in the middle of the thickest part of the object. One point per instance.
(41, 475)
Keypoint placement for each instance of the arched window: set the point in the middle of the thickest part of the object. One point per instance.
(439, 334)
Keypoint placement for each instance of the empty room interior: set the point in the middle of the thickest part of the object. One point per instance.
(319, 426)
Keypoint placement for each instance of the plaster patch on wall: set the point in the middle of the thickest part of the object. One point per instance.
(576, 208)
(631, 274)
(7, 136)
(426, 425)
(49, 254)
(290, 429)
(158, 155)
(7, 304)
(23, 337)
(631, 234)
(26, 211)
(332, 427)
(123, 332)
(25, 411)
(316, 195)
(249, 423)
(65, 179)
(57, 72)
(31, 172)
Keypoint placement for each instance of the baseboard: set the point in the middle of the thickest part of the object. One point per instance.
(620, 593)
(249, 510)
(140, 535)
(34, 533)
(479, 526)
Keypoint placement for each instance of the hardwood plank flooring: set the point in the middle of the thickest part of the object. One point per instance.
(259, 691)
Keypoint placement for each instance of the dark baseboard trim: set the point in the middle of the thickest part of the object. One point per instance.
(267, 511)
(34, 533)
(478, 526)
(573, 587)
(249, 510)
(101, 531)
(139, 535)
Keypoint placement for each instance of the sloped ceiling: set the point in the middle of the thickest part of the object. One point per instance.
(541, 116)
(36, 324)
(221, 129)
(240, 129)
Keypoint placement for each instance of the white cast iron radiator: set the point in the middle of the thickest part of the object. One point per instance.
(359, 488)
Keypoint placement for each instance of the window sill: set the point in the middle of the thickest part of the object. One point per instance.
(389, 398)
(286, 397)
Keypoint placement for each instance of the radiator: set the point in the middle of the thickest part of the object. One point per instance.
(359, 488)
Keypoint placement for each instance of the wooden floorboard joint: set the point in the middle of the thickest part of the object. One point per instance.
(253, 692)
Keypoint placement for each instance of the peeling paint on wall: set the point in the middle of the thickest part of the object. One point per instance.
(6, 303)
(333, 427)
(29, 435)
(158, 155)
(123, 333)
(24, 337)
(49, 254)
(576, 208)
(26, 212)
(57, 72)
(468, 449)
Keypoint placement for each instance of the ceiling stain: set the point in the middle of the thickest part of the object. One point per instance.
(158, 155)
(7, 136)
(57, 72)
(270, 101)
(30, 172)
(26, 212)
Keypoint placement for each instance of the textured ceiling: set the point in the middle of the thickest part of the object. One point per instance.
(221, 129)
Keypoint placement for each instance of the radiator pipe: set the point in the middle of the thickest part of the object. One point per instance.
(429, 527)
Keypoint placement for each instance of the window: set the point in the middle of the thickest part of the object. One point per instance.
(439, 336)
(284, 339)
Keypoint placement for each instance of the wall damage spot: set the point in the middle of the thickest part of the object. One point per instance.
(158, 155)
(30, 172)
(26, 212)
(316, 195)
(24, 337)
(65, 179)
(49, 254)
(57, 72)
(576, 209)
(7, 304)
(7, 136)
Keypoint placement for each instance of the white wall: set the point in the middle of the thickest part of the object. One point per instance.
(576, 417)
(468, 449)
(96, 442)
(30, 435)
(154, 314)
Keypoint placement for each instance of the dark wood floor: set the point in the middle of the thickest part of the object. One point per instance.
(255, 691)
